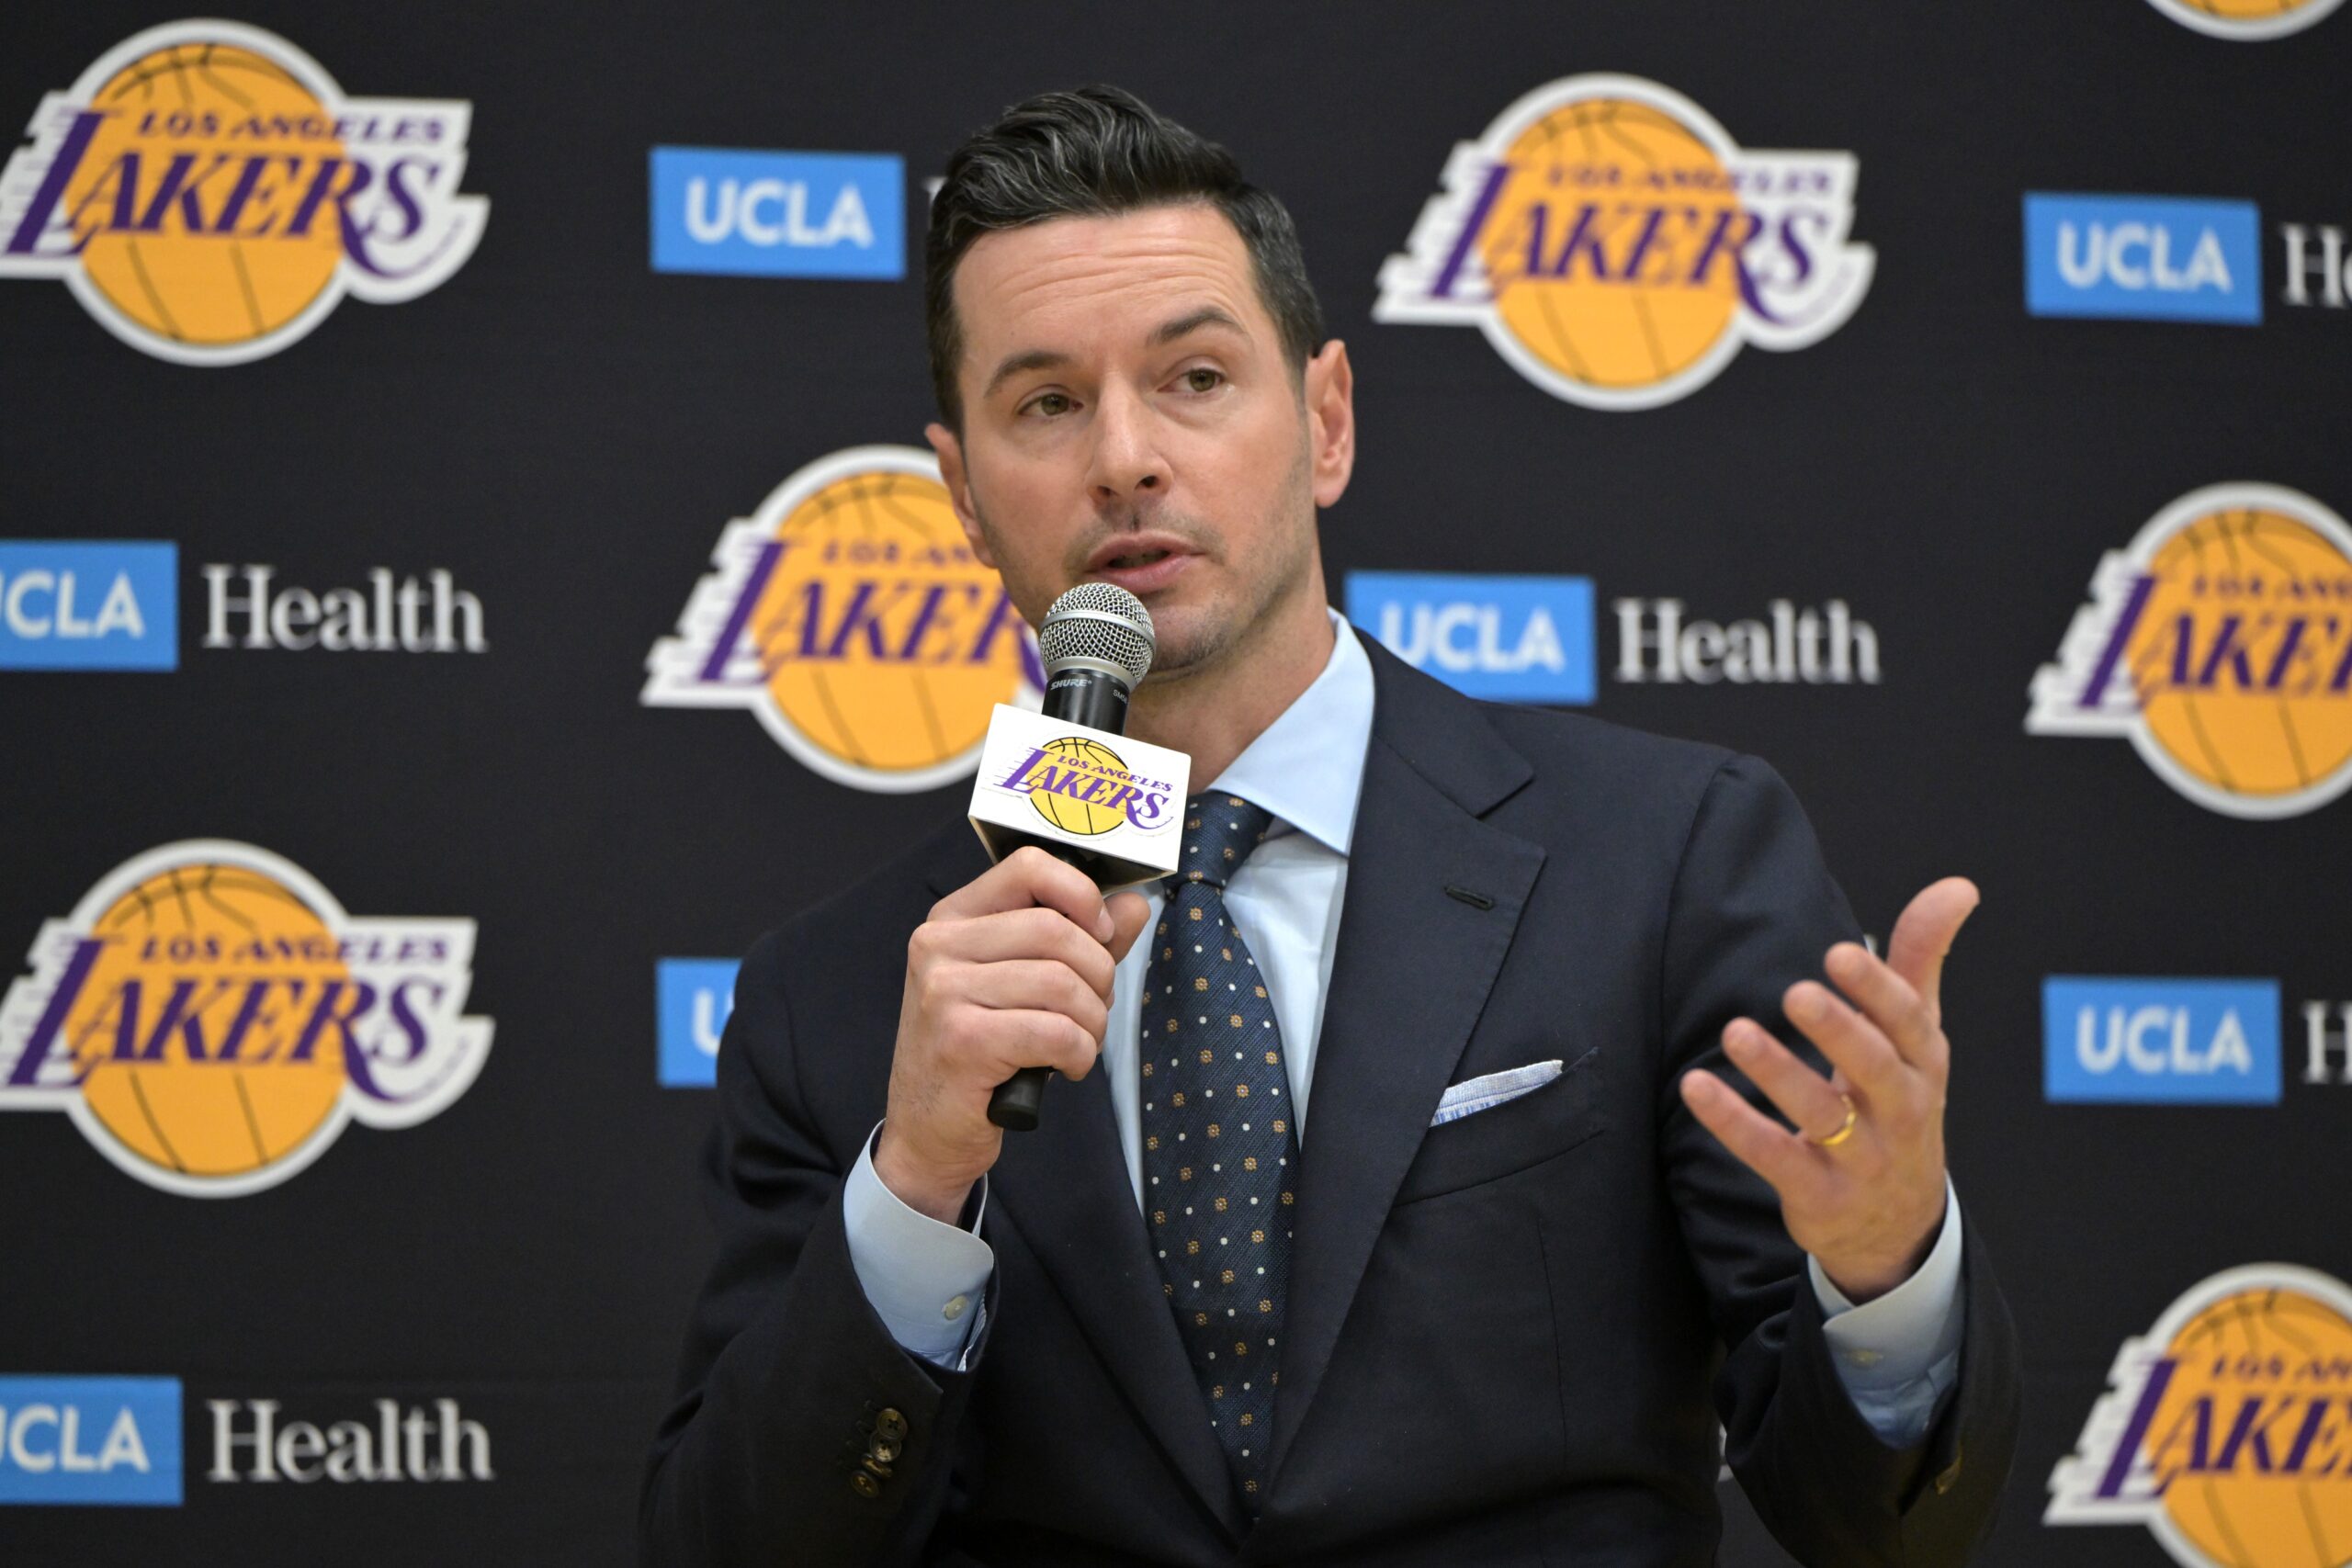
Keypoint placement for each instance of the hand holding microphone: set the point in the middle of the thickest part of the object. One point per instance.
(1010, 973)
(1008, 978)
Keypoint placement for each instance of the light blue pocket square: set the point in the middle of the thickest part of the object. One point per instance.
(1486, 1093)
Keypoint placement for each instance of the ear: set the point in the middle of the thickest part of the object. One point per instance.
(1330, 398)
(950, 450)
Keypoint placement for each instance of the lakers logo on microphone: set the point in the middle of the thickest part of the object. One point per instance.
(210, 194)
(1082, 786)
(2220, 643)
(1617, 247)
(851, 617)
(2228, 1431)
(211, 1020)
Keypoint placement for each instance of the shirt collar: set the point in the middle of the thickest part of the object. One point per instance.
(1307, 768)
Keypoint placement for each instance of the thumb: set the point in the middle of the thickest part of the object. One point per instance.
(1924, 935)
(1128, 911)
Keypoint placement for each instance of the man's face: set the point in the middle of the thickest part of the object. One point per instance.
(1130, 417)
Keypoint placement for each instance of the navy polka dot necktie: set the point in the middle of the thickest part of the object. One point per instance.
(1220, 1145)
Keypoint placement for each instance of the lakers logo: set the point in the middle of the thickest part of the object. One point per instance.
(1082, 786)
(850, 615)
(1617, 247)
(210, 194)
(2220, 642)
(2228, 1432)
(211, 1020)
(2246, 19)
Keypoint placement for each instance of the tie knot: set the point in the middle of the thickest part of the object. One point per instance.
(1220, 832)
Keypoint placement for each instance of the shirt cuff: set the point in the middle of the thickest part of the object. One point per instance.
(1906, 1333)
(924, 1279)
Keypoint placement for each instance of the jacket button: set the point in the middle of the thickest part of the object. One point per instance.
(890, 1426)
(864, 1486)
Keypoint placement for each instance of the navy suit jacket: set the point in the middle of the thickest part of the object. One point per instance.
(1510, 1336)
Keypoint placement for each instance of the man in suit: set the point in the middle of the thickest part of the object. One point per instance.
(1527, 974)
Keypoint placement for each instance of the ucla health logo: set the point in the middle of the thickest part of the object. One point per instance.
(693, 999)
(88, 604)
(2220, 643)
(2224, 1434)
(211, 1020)
(779, 214)
(2246, 20)
(849, 614)
(1617, 247)
(210, 194)
(90, 1440)
(1507, 638)
(2155, 257)
(2155, 1042)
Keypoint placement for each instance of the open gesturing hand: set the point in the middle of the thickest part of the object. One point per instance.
(1861, 1179)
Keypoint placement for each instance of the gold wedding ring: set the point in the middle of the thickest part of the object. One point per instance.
(1845, 1129)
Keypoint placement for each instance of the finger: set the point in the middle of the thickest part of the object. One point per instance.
(1017, 1038)
(1854, 1043)
(1810, 1102)
(1038, 984)
(1026, 877)
(1762, 1145)
(1888, 1002)
(1128, 912)
(1923, 937)
(1033, 932)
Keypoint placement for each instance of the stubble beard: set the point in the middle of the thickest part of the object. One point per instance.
(1210, 637)
(1207, 637)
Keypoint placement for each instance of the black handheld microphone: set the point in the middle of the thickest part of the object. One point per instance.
(1096, 645)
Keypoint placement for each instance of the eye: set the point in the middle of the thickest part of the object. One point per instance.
(1201, 378)
(1051, 404)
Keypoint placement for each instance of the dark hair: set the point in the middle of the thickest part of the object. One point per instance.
(1098, 151)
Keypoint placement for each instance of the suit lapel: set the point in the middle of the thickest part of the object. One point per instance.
(1064, 1188)
(1411, 975)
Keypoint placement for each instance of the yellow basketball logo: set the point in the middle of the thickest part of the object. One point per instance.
(211, 1019)
(2246, 19)
(1076, 784)
(1617, 247)
(210, 194)
(851, 616)
(2220, 642)
(2229, 1428)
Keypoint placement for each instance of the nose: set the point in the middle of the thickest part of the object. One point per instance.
(1128, 466)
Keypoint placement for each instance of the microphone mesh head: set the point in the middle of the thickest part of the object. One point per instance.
(1099, 622)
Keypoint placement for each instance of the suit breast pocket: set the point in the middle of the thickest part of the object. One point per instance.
(1503, 1140)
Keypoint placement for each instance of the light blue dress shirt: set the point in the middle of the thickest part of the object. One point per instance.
(1896, 1355)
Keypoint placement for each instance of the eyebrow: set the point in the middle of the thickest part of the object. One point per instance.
(1021, 364)
(1166, 333)
(1206, 316)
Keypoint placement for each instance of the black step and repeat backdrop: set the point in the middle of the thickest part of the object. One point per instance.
(469, 565)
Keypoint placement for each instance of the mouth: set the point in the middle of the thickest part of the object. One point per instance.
(1136, 559)
(1139, 563)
